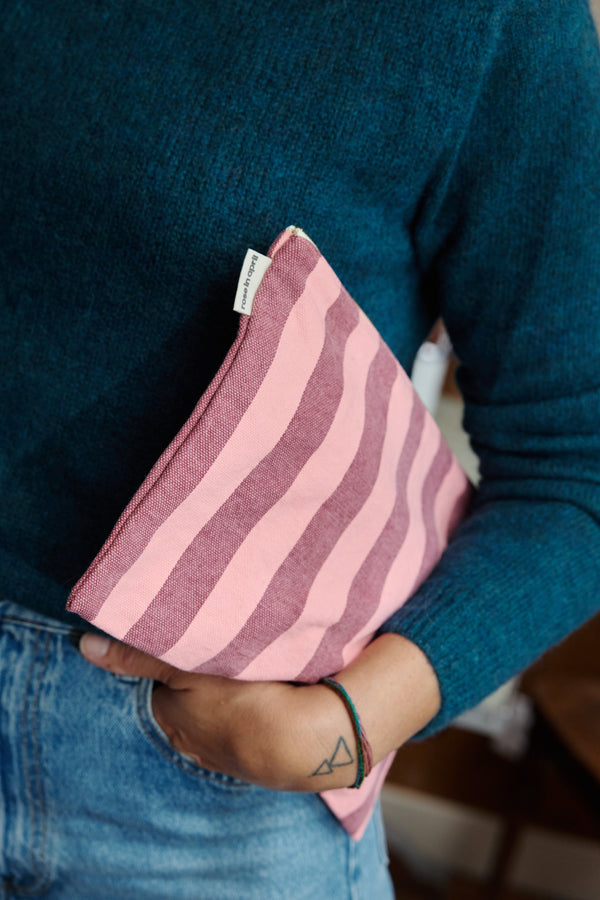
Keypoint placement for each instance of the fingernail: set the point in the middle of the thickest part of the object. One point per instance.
(94, 646)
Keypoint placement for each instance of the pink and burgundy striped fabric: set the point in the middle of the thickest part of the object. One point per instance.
(303, 502)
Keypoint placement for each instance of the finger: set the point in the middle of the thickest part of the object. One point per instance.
(121, 659)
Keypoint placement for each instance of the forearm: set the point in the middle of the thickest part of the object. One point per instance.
(394, 689)
(518, 577)
(395, 692)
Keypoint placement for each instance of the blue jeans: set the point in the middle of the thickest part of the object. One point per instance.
(98, 805)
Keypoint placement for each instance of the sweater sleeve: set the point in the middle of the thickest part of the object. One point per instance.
(509, 247)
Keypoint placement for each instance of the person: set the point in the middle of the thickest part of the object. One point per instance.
(445, 161)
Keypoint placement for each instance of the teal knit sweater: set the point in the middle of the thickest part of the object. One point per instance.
(445, 157)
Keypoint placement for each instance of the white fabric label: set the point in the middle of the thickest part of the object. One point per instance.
(253, 271)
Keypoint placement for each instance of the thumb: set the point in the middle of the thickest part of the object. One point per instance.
(121, 659)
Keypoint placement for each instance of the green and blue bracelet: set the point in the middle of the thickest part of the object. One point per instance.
(365, 754)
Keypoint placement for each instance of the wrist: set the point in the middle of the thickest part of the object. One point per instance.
(305, 743)
(394, 689)
(303, 737)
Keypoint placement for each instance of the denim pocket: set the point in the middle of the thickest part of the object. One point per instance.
(157, 737)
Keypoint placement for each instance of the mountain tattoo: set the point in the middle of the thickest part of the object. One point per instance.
(341, 757)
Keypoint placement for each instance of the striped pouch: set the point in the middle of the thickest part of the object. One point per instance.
(303, 502)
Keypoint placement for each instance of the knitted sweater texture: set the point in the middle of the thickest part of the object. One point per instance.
(444, 158)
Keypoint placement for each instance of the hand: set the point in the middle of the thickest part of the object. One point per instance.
(277, 735)
(267, 733)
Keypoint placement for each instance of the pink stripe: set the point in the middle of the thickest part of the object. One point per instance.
(433, 547)
(176, 604)
(354, 807)
(274, 405)
(234, 598)
(328, 594)
(293, 621)
(283, 238)
(401, 577)
(367, 586)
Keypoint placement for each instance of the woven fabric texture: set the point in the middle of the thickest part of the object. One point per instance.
(304, 500)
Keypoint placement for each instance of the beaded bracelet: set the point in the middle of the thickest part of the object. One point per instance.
(365, 754)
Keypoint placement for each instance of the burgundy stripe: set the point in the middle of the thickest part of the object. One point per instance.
(365, 592)
(248, 361)
(285, 593)
(459, 510)
(433, 482)
(188, 585)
